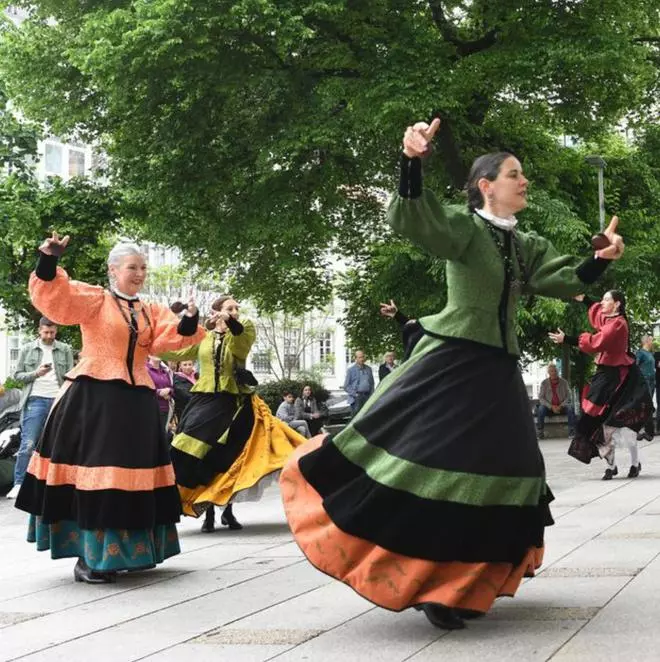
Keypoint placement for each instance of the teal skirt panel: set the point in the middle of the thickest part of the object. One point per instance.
(105, 550)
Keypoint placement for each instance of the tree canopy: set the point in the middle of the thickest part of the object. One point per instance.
(30, 210)
(256, 135)
(252, 133)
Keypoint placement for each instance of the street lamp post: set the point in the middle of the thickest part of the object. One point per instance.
(599, 162)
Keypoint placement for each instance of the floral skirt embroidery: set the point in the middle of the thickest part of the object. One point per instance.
(105, 549)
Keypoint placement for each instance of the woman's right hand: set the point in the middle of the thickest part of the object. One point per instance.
(557, 337)
(418, 137)
(388, 309)
(216, 316)
(53, 245)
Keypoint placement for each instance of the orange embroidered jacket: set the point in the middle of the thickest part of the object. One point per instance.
(110, 350)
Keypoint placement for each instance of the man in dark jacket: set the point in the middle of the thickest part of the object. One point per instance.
(385, 368)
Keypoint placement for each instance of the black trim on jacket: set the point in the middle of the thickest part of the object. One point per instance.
(46, 267)
(591, 269)
(188, 325)
(410, 183)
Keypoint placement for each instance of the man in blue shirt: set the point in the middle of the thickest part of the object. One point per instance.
(359, 383)
(646, 362)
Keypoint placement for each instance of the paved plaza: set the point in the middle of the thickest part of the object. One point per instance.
(249, 596)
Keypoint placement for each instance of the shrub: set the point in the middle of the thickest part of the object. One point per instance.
(272, 392)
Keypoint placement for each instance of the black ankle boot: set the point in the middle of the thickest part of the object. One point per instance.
(83, 573)
(610, 473)
(635, 471)
(229, 520)
(442, 617)
(209, 520)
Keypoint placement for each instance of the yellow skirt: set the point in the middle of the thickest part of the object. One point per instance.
(267, 449)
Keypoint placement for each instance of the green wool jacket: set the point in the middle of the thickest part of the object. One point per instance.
(481, 301)
(235, 350)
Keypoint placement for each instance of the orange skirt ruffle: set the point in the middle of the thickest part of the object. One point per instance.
(390, 580)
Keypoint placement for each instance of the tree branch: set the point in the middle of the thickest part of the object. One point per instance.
(451, 152)
(450, 34)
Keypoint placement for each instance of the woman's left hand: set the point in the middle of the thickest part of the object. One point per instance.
(557, 337)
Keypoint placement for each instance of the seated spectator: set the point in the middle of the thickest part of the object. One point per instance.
(308, 409)
(287, 412)
(553, 401)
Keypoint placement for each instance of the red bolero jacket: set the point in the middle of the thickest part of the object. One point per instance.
(610, 340)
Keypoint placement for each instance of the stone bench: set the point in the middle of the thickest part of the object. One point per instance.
(556, 427)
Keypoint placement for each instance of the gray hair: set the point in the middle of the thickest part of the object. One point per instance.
(118, 252)
(121, 250)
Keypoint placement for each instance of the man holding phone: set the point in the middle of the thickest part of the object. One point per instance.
(42, 365)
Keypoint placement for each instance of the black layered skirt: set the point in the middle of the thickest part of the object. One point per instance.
(102, 460)
(439, 481)
(617, 396)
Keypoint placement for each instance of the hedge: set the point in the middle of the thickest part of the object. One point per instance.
(273, 392)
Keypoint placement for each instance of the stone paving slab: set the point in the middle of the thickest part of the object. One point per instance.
(377, 634)
(627, 628)
(498, 641)
(219, 653)
(249, 596)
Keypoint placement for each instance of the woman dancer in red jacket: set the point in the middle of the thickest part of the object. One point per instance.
(616, 404)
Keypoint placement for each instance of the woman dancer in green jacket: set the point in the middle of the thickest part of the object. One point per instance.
(432, 497)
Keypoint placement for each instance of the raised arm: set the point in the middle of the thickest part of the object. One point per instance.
(62, 300)
(171, 334)
(549, 273)
(241, 337)
(442, 230)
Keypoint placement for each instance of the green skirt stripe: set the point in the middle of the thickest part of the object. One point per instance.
(428, 482)
(196, 447)
(187, 444)
(439, 484)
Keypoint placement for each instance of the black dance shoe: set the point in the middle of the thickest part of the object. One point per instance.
(635, 471)
(209, 521)
(442, 617)
(610, 473)
(469, 614)
(229, 520)
(83, 573)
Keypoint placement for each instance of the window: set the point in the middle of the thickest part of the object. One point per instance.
(349, 355)
(76, 163)
(326, 357)
(261, 361)
(53, 159)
